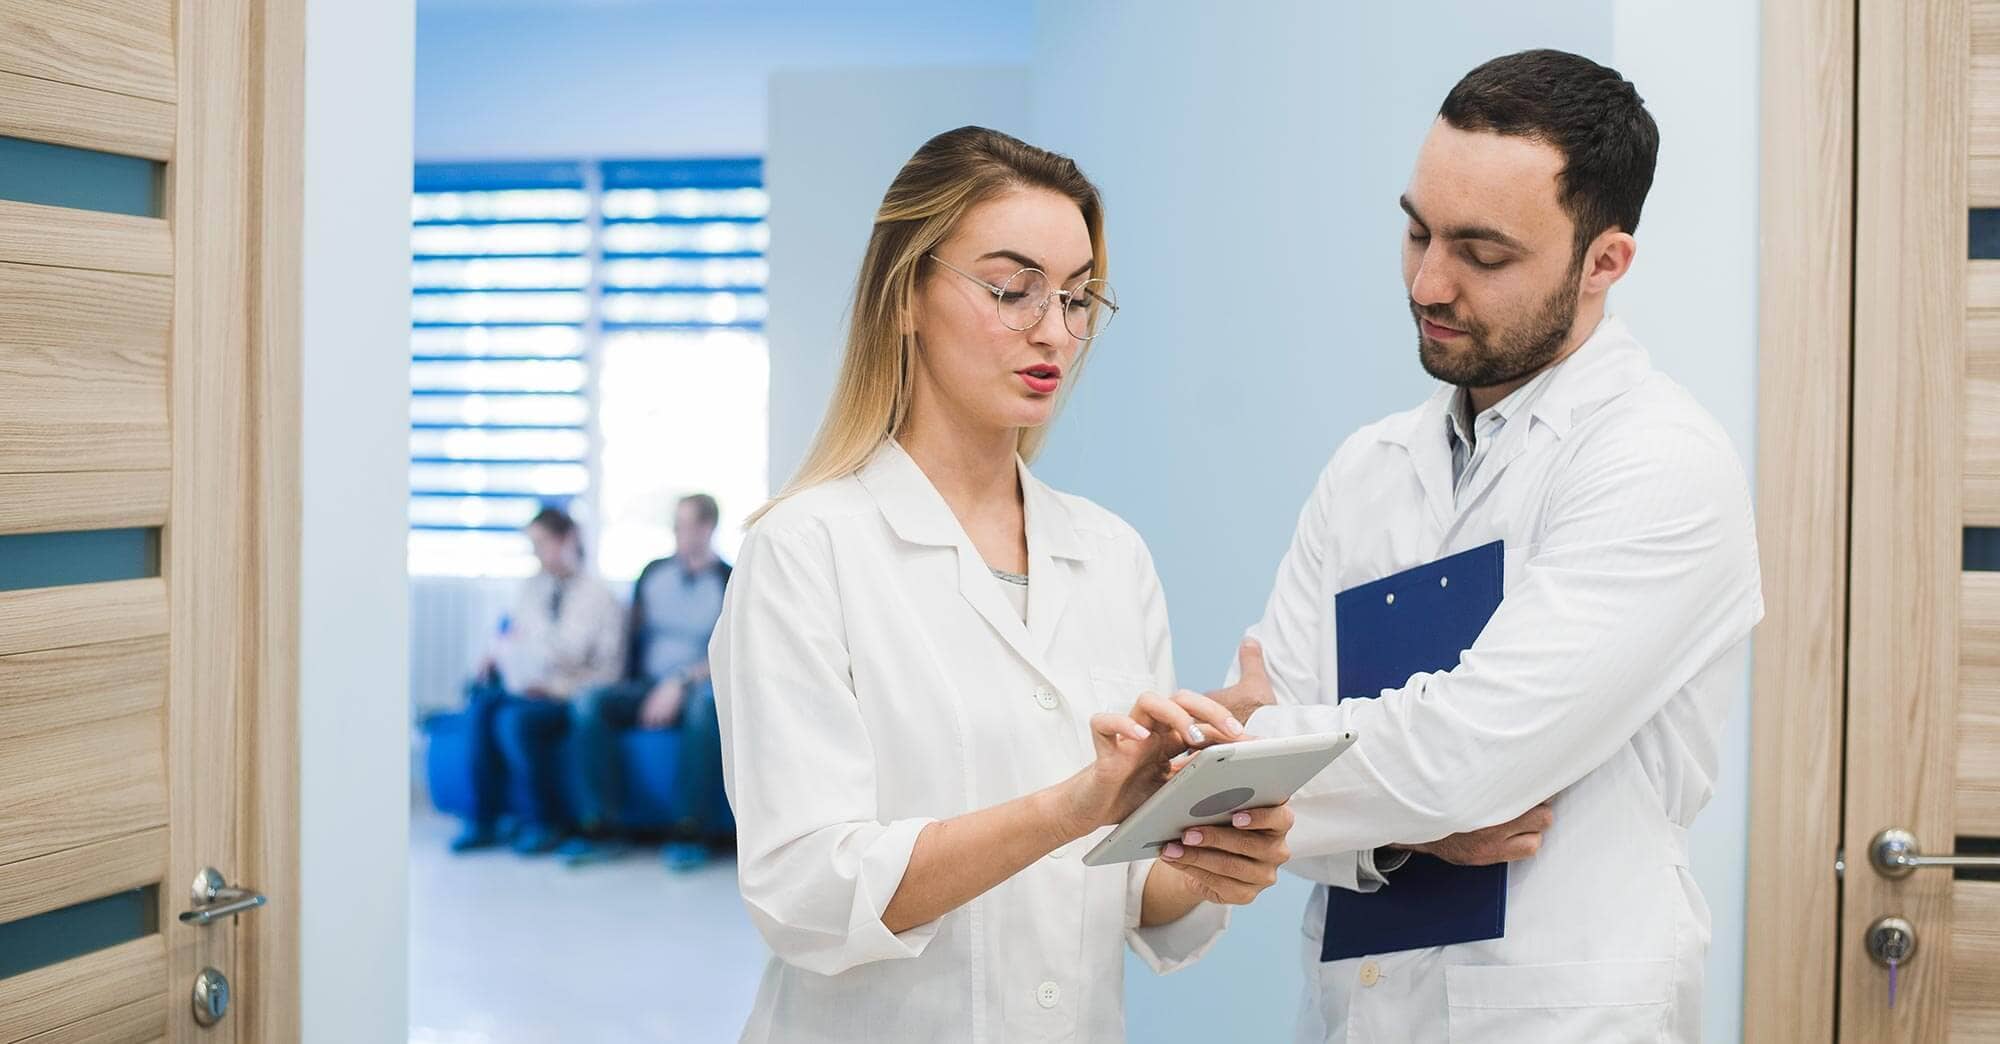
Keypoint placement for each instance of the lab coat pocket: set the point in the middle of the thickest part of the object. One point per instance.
(1593, 1001)
(1114, 692)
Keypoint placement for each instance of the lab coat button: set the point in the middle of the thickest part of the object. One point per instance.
(1371, 973)
(1047, 994)
(1046, 697)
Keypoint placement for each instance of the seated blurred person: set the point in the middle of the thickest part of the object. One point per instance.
(675, 604)
(564, 635)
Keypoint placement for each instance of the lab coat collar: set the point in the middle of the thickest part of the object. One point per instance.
(1608, 363)
(918, 512)
(919, 515)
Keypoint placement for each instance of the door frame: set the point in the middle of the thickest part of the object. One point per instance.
(237, 193)
(270, 794)
(1805, 362)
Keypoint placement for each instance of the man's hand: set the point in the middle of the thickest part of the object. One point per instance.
(663, 705)
(1251, 691)
(1507, 843)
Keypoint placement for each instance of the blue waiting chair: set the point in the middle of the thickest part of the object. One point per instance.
(648, 805)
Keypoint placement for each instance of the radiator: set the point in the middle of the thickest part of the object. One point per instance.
(452, 619)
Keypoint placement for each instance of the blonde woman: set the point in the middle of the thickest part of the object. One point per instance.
(934, 672)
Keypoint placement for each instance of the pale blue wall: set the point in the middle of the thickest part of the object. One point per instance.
(534, 78)
(826, 174)
(1261, 147)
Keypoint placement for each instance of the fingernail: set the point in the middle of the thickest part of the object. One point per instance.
(1193, 837)
(1142, 732)
(1195, 734)
(1173, 850)
(1241, 819)
(1235, 727)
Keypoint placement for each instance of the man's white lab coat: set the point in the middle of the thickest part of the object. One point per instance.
(1602, 681)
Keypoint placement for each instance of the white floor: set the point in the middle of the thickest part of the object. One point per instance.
(508, 950)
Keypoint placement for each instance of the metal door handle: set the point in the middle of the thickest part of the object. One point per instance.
(214, 899)
(1895, 854)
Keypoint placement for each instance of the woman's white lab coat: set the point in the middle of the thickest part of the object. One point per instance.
(1602, 681)
(872, 677)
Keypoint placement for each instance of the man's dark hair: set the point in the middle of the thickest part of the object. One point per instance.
(704, 508)
(559, 525)
(554, 519)
(1584, 110)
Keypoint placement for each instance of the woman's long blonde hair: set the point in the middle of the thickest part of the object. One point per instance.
(947, 177)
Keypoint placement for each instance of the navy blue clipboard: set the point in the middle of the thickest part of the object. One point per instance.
(1417, 621)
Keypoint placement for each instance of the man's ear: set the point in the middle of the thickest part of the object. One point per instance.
(1608, 259)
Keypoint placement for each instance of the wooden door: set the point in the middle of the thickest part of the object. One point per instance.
(1912, 499)
(148, 513)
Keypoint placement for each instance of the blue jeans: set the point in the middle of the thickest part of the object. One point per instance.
(597, 719)
(516, 751)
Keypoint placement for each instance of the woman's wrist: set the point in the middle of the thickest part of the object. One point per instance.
(1168, 896)
(1054, 810)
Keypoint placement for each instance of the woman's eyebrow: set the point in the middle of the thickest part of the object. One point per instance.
(1028, 262)
(1012, 255)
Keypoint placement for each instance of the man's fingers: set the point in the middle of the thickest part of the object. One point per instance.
(1519, 847)
(1536, 819)
(1250, 660)
(1210, 712)
(1114, 726)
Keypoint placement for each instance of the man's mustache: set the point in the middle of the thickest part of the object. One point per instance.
(1439, 314)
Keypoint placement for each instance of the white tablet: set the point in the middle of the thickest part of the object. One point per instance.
(1213, 785)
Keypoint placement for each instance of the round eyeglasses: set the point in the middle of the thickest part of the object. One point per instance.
(1023, 299)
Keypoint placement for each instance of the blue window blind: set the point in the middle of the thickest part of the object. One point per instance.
(522, 274)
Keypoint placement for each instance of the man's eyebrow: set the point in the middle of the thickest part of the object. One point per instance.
(1479, 232)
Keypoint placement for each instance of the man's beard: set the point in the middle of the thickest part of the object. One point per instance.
(1488, 359)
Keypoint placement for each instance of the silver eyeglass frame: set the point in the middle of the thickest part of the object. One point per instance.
(1041, 312)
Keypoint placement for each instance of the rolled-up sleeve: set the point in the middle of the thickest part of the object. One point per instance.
(1175, 945)
(816, 862)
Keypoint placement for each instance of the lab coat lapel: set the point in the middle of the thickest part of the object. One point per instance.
(1513, 439)
(919, 515)
(1422, 435)
(1053, 549)
(1608, 364)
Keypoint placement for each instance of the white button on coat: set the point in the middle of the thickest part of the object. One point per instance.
(1048, 995)
(870, 676)
(1603, 680)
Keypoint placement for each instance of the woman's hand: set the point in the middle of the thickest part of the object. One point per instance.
(1135, 755)
(1231, 864)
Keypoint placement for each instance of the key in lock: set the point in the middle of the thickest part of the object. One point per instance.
(1891, 942)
